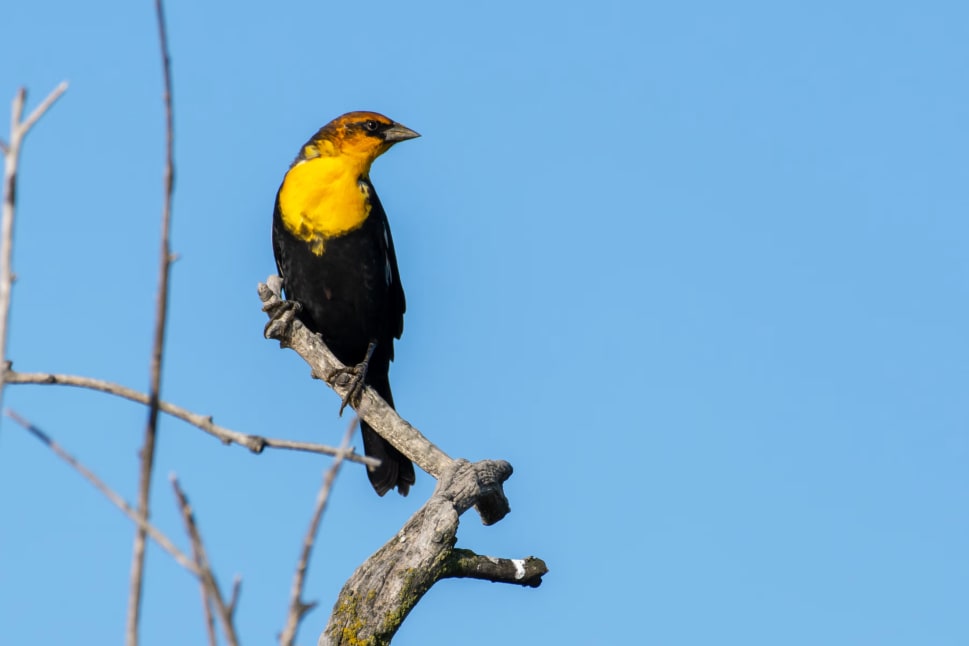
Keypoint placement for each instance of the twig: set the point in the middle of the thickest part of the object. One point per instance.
(161, 315)
(234, 598)
(199, 566)
(297, 607)
(527, 572)
(198, 553)
(255, 443)
(166, 544)
(209, 619)
(11, 153)
(210, 587)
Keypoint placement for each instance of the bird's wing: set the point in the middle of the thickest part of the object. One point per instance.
(397, 302)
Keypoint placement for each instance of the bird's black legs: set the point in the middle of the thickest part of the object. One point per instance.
(281, 312)
(356, 375)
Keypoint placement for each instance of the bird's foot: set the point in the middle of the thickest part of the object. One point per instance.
(354, 377)
(281, 316)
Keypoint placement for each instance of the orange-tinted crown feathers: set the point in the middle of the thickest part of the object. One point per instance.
(356, 134)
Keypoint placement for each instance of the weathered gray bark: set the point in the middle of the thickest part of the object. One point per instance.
(384, 589)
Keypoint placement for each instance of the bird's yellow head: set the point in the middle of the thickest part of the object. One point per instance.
(360, 135)
(324, 194)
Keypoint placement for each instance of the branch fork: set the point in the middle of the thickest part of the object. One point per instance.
(377, 598)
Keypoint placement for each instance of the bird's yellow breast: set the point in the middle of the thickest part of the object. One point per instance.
(322, 198)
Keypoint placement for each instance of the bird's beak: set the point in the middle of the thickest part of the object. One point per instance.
(397, 132)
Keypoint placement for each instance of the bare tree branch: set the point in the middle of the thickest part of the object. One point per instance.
(198, 566)
(166, 544)
(297, 607)
(161, 317)
(291, 333)
(11, 154)
(210, 587)
(466, 564)
(377, 598)
(255, 443)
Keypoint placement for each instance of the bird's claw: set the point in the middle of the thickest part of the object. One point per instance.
(354, 378)
(281, 316)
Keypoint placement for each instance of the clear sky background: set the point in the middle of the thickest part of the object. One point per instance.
(699, 271)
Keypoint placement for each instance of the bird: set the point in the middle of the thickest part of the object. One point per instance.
(335, 255)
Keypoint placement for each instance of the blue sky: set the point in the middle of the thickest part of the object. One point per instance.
(698, 271)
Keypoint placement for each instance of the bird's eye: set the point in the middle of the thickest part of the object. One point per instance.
(371, 126)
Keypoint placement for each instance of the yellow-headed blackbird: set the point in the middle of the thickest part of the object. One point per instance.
(335, 254)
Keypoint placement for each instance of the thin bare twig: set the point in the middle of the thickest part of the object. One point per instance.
(255, 443)
(199, 566)
(166, 544)
(161, 317)
(11, 153)
(39, 111)
(209, 619)
(234, 597)
(297, 607)
(210, 587)
(198, 553)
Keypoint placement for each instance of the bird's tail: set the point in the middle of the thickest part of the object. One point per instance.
(395, 470)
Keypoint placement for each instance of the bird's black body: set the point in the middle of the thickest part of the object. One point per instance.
(351, 295)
